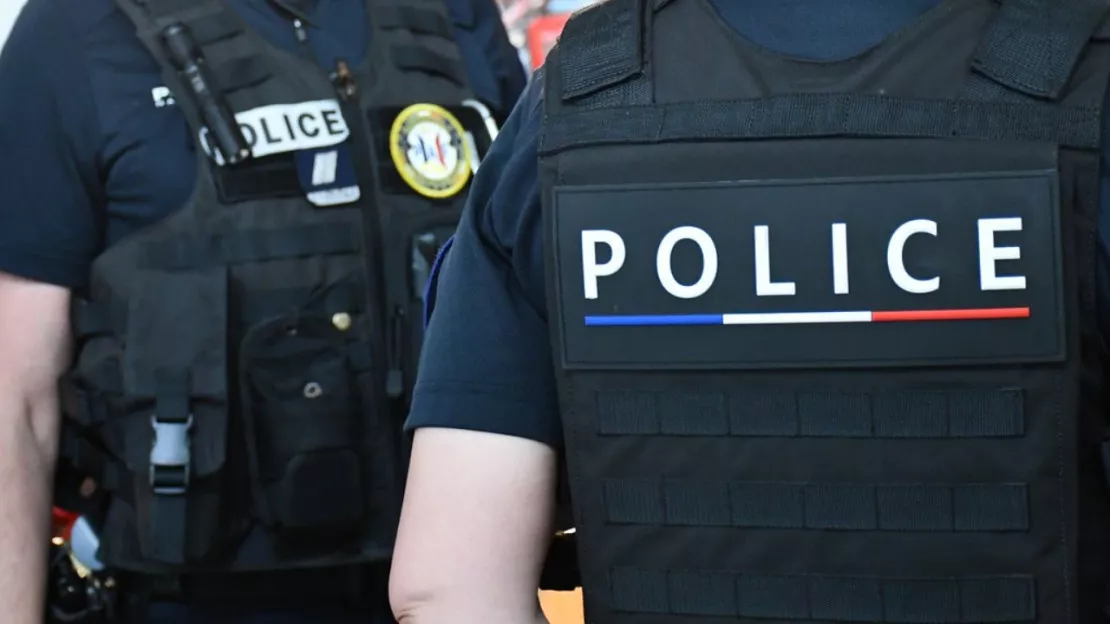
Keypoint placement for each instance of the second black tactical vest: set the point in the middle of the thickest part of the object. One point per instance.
(243, 366)
(826, 332)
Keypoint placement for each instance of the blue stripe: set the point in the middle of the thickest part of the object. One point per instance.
(656, 319)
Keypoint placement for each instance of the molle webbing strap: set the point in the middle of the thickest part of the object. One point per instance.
(820, 598)
(166, 521)
(241, 246)
(241, 73)
(406, 26)
(416, 19)
(91, 319)
(422, 59)
(219, 33)
(823, 115)
(1033, 46)
(868, 507)
(214, 28)
(269, 176)
(955, 414)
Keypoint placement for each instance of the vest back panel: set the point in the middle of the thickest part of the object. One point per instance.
(825, 332)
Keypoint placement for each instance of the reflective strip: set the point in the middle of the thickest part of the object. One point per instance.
(972, 600)
(957, 413)
(984, 507)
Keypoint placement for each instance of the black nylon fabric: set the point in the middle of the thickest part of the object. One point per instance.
(840, 491)
(275, 323)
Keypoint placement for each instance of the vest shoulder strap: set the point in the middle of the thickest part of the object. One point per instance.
(1034, 46)
(601, 46)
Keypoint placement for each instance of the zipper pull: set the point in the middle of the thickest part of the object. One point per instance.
(395, 379)
(299, 32)
(344, 81)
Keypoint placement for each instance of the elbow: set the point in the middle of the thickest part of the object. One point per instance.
(410, 600)
(421, 596)
(418, 598)
(30, 421)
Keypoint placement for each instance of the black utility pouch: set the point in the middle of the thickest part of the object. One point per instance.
(173, 437)
(302, 420)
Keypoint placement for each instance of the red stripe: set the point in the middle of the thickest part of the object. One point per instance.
(949, 315)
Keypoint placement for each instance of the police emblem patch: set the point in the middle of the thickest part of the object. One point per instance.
(427, 146)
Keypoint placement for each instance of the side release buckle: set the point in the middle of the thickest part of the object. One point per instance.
(170, 456)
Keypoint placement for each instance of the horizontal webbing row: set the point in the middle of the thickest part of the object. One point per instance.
(416, 19)
(977, 600)
(963, 413)
(978, 507)
(423, 59)
(823, 115)
(194, 251)
(90, 319)
(259, 178)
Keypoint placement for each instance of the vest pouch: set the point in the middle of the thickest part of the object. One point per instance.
(173, 434)
(302, 423)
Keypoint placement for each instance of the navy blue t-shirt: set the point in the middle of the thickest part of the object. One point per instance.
(89, 156)
(487, 363)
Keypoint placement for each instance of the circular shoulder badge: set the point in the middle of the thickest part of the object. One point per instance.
(428, 149)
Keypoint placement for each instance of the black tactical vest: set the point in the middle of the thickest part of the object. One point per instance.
(244, 365)
(825, 332)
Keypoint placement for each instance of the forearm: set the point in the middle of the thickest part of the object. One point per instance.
(27, 461)
(470, 608)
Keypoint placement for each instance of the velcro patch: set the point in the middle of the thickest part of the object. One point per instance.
(327, 175)
(847, 272)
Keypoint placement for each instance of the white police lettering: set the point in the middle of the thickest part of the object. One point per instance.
(591, 270)
(764, 287)
(279, 128)
(989, 255)
(840, 258)
(708, 260)
(895, 257)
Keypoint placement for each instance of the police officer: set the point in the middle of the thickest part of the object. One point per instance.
(240, 199)
(807, 296)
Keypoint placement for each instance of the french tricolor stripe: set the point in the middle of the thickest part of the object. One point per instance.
(809, 318)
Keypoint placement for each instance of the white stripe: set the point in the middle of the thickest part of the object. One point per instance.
(323, 168)
(782, 318)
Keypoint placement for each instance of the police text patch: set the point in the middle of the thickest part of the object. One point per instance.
(906, 270)
(279, 128)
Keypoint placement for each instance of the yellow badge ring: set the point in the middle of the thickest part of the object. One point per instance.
(427, 146)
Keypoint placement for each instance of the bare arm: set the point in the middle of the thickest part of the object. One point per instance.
(474, 530)
(34, 341)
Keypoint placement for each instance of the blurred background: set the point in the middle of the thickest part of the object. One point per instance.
(8, 10)
(534, 25)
